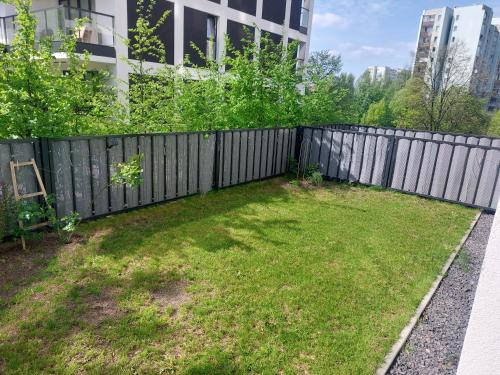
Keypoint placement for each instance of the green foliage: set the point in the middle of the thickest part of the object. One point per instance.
(129, 173)
(379, 114)
(316, 179)
(455, 110)
(66, 226)
(253, 87)
(368, 93)
(494, 128)
(38, 99)
(328, 96)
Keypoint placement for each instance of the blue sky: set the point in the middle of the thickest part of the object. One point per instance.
(373, 32)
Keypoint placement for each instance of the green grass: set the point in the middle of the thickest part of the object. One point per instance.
(263, 278)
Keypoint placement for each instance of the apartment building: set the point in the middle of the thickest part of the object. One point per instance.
(203, 22)
(382, 73)
(464, 37)
(432, 38)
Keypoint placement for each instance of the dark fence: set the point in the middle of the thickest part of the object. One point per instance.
(451, 171)
(78, 170)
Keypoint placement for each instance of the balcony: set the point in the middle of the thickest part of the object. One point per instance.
(96, 35)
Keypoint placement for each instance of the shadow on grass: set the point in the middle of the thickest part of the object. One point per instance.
(108, 312)
(213, 214)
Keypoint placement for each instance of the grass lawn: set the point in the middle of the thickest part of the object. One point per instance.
(263, 278)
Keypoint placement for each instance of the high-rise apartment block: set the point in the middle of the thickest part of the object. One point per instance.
(460, 45)
(382, 73)
(202, 22)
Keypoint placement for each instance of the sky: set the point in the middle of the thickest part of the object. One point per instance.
(374, 32)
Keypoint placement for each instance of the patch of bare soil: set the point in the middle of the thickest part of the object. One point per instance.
(172, 295)
(104, 306)
(18, 267)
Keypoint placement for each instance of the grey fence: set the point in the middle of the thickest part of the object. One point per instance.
(78, 170)
(412, 133)
(465, 173)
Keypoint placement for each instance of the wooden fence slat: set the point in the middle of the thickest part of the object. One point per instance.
(82, 178)
(171, 166)
(146, 188)
(193, 163)
(61, 162)
(115, 155)
(158, 168)
(99, 170)
(131, 150)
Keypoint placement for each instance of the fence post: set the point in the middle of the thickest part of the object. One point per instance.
(216, 161)
(389, 164)
(298, 142)
(46, 165)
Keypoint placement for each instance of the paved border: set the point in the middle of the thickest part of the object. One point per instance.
(481, 349)
(406, 332)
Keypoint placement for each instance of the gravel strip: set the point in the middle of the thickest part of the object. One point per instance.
(436, 342)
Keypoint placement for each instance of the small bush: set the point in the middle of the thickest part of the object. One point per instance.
(316, 179)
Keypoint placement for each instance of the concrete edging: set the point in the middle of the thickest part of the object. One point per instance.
(406, 332)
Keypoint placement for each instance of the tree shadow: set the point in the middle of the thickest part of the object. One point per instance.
(216, 216)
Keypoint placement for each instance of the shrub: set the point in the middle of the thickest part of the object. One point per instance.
(316, 179)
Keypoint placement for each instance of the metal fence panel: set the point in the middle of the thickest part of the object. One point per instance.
(423, 163)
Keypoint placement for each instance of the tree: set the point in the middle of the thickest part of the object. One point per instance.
(379, 114)
(149, 91)
(37, 98)
(323, 65)
(444, 80)
(328, 94)
(407, 105)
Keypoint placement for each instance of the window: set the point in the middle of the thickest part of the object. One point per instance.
(80, 4)
(274, 11)
(435, 39)
(211, 37)
(439, 18)
(437, 29)
(457, 17)
(455, 28)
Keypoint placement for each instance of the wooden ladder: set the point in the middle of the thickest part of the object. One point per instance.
(13, 167)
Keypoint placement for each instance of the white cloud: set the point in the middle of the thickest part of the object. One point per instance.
(367, 51)
(324, 20)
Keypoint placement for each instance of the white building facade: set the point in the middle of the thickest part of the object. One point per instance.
(465, 35)
(382, 73)
(202, 22)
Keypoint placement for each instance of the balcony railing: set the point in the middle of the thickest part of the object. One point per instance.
(57, 22)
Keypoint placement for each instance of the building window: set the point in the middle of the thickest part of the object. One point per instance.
(439, 18)
(211, 37)
(457, 17)
(80, 4)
